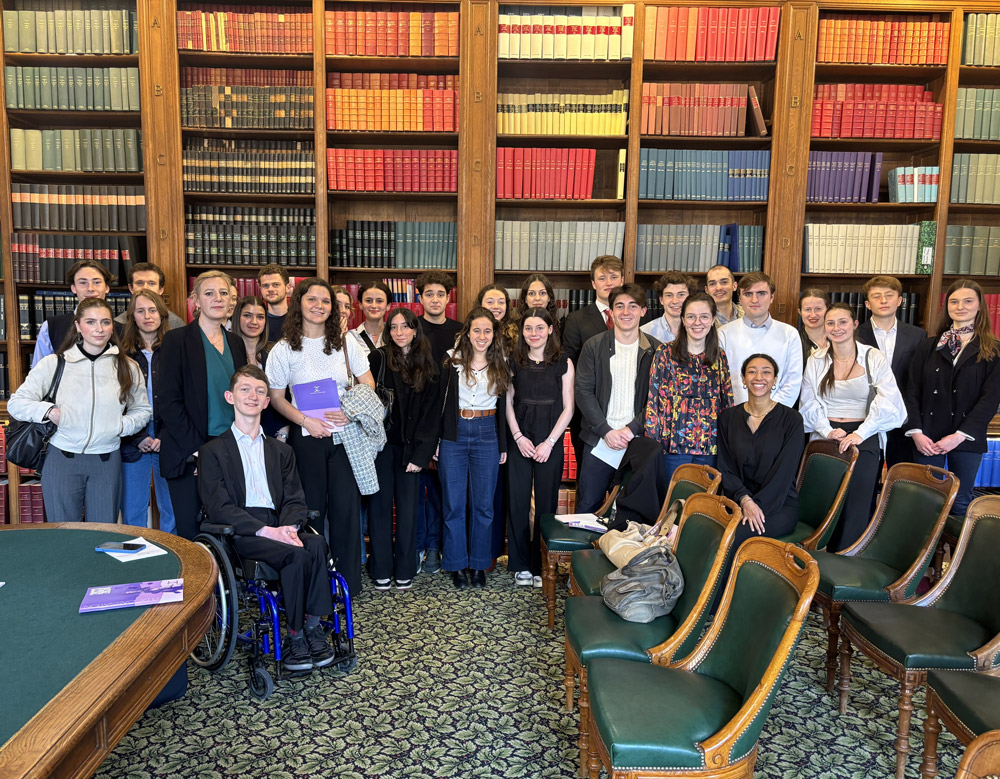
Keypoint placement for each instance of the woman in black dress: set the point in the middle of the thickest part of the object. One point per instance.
(539, 407)
(760, 446)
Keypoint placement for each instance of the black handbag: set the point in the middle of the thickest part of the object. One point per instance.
(385, 395)
(28, 442)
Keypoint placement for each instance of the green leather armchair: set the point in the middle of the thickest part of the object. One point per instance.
(704, 539)
(701, 716)
(822, 484)
(969, 706)
(886, 563)
(953, 626)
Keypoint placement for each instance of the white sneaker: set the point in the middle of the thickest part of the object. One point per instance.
(536, 581)
(522, 578)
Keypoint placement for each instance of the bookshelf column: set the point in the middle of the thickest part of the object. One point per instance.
(790, 155)
(476, 150)
(162, 158)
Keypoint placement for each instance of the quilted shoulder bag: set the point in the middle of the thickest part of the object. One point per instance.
(28, 442)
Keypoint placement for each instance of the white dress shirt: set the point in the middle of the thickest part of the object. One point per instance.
(741, 338)
(886, 340)
(258, 494)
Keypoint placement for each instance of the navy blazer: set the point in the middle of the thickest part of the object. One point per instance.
(942, 398)
(909, 338)
(223, 488)
(183, 394)
(582, 325)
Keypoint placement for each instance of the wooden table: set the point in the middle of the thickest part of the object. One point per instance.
(73, 733)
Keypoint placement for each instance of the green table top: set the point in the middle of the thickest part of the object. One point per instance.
(46, 642)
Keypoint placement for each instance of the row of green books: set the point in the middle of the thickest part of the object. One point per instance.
(977, 114)
(103, 28)
(696, 248)
(972, 250)
(71, 89)
(97, 150)
(554, 246)
(386, 244)
(974, 179)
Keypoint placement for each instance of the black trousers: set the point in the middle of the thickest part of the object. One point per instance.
(186, 501)
(858, 503)
(898, 448)
(305, 585)
(393, 554)
(330, 488)
(524, 551)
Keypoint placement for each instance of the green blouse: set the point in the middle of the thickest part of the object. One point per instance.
(220, 369)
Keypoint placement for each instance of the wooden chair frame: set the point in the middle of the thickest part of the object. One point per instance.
(703, 475)
(980, 760)
(910, 679)
(717, 508)
(920, 474)
(827, 448)
(794, 565)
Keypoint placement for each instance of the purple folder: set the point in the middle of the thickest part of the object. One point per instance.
(315, 398)
(123, 596)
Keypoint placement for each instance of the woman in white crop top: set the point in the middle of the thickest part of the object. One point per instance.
(850, 395)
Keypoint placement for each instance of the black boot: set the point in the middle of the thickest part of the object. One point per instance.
(479, 579)
(460, 580)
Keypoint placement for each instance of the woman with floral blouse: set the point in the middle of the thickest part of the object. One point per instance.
(688, 387)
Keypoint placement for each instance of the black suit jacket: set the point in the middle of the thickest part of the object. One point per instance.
(909, 338)
(582, 325)
(183, 395)
(223, 489)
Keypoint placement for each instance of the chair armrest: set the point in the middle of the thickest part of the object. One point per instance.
(216, 530)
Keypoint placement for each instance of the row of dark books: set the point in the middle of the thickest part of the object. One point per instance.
(554, 245)
(93, 150)
(883, 39)
(980, 41)
(701, 110)
(78, 207)
(368, 244)
(275, 167)
(391, 31)
(242, 28)
(696, 248)
(977, 114)
(35, 307)
(71, 89)
(563, 174)
(974, 179)
(869, 248)
(263, 108)
(843, 177)
(875, 111)
(710, 34)
(972, 250)
(45, 258)
(392, 170)
(603, 33)
(249, 215)
(685, 174)
(101, 28)
(562, 113)
(233, 243)
(244, 77)
(908, 311)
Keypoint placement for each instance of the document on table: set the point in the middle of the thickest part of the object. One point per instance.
(151, 550)
(605, 453)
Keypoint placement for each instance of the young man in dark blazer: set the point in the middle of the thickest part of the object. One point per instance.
(606, 273)
(249, 482)
(898, 341)
(612, 384)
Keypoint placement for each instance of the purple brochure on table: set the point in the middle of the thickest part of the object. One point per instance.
(123, 596)
(315, 398)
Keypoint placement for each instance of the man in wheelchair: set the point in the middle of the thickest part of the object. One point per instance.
(250, 482)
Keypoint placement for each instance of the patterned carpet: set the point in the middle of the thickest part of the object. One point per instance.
(469, 684)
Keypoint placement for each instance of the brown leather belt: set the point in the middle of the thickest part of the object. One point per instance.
(468, 413)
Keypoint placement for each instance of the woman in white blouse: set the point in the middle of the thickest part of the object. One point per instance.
(315, 347)
(850, 395)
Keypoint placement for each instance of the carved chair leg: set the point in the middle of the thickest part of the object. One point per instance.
(593, 763)
(909, 682)
(932, 729)
(584, 723)
(549, 588)
(831, 621)
(845, 673)
(569, 678)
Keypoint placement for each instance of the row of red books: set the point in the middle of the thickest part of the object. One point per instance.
(711, 34)
(390, 81)
(569, 458)
(888, 93)
(699, 109)
(883, 40)
(392, 170)
(564, 174)
(384, 33)
(871, 119)
(392, 110)
(265, 30)
(32, 506)
(245, 77)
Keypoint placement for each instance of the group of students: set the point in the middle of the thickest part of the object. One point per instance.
(474, 412)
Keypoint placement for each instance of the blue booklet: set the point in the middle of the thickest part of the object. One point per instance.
(315, 398)
(123, 596)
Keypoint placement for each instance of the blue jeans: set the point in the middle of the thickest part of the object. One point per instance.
(965, 465)
(429, 512)
(671, 461)
(135, 493)
(468, 468)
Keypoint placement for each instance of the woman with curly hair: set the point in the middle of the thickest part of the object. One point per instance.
(495, 299)
(315, 347)
(473, 445)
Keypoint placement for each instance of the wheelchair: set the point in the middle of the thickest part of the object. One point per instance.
(244, 583)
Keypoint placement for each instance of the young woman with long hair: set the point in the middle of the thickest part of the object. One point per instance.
(250, 324)
(314, 347)
(495, 299)
(537, 292)
(689, 385)
(473, 445)
(539, 407)
(850, 395)
(373, 297)
(146, 322)
(196, 363)
(82, 470)
(813, 303)
(405, 368)
(954, 389)
(345, 306)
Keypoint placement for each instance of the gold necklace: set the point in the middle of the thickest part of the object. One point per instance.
(760, 416)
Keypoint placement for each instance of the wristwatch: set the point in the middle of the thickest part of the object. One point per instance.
(551, 441)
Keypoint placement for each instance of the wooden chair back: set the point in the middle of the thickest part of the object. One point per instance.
(824, 476)
(982, 758)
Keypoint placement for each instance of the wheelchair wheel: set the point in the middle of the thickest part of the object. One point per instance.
(348, 665)
(216, 649)
(261, 683)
